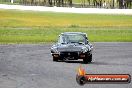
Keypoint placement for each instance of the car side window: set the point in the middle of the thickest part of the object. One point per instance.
(60, 39)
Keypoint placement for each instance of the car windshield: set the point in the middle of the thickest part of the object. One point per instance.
(73, 38)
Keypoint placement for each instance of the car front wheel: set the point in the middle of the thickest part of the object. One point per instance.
(87, 59)
(55, 59)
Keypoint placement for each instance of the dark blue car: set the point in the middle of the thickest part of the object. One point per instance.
(72, 46)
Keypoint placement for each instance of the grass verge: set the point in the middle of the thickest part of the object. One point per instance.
(46, 35)
(42, 27)
(16, 18)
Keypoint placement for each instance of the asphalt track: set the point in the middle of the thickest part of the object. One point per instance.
(31, 66)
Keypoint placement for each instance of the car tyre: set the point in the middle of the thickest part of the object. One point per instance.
(88, 59)
(55, 59)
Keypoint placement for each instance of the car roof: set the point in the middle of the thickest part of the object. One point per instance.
(70, 33)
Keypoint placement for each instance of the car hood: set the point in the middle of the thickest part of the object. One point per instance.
(71, 47)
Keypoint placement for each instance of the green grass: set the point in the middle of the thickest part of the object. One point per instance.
(9, 3)
(12, 18)
(45, 35)
(43, 27)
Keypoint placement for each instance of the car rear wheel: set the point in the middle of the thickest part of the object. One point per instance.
(87, 59)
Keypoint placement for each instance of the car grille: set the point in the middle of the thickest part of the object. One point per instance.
(69, 54)
(73, 49)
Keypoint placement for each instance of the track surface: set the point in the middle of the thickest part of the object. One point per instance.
(31, 66)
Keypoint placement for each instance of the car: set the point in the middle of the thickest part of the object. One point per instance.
(72, 46)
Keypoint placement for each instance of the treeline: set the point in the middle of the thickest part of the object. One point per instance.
(125, 3)
(77, 3)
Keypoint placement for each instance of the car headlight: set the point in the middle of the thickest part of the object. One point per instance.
(54, 49)
(84, 50)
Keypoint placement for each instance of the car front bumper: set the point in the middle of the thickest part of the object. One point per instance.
(71, 55)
